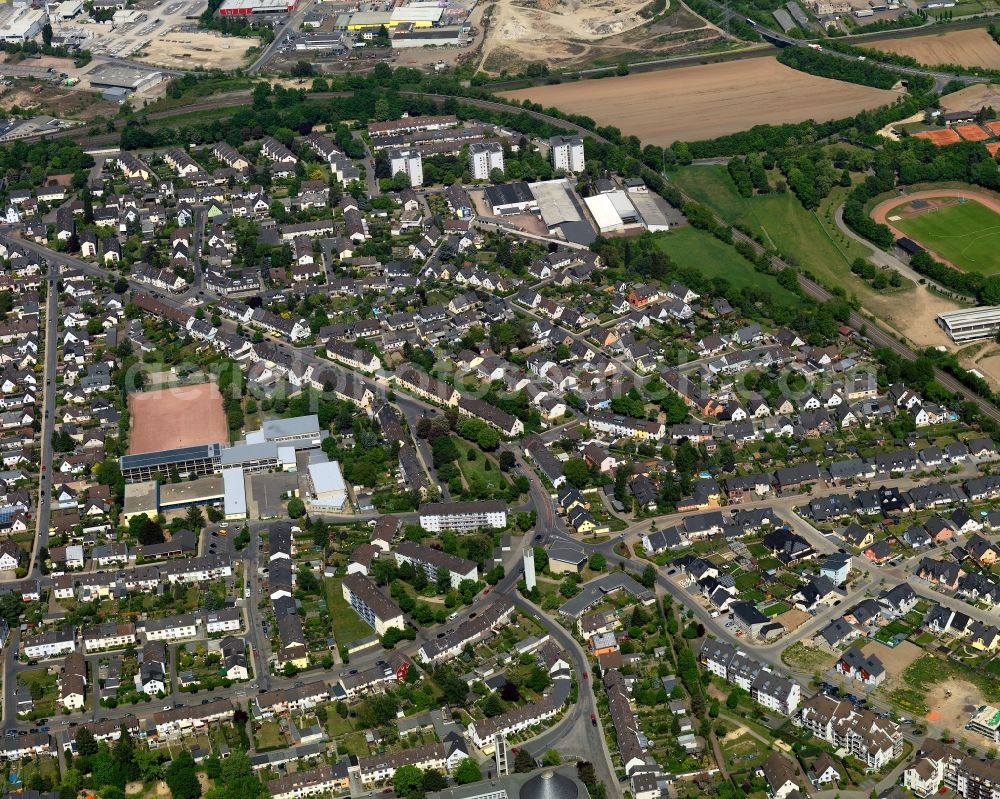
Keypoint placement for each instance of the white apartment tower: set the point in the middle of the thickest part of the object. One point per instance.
(566, 153)
(408, 162)
(484, 158)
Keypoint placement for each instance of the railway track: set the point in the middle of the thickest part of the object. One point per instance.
(82, 135)
(492, 105)
(867, 329)
(876, 335)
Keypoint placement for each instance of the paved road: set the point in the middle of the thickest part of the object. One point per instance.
(289, 26)
(872, 576)
(579, 338)
(259, 644)
(302, 356)
(48, 418)
(548, 527)
(867, 328)
(371, 182)
(783, 40)
(575, 734)
(129, 64)
(887, 259)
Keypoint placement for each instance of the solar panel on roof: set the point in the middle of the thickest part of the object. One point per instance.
(146, 459)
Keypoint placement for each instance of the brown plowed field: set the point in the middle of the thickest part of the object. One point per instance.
(706, 101)
(971, 48)
(972, 98)
(183, 416)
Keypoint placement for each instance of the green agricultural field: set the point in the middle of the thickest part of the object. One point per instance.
(695, 249)
(811, 239)
(966, 234)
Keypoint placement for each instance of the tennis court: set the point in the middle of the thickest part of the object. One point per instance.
(939, 137)
(972, 133)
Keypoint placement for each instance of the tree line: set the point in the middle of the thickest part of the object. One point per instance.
(816, 62)
(902, 60)
(863, 126)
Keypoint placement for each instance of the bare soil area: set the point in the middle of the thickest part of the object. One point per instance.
(42, 61)
(792, 619)
(706, 101)
(969, 48)
(972, 98)
(56, 101)
(183, 416)
(895, 659)
(915, 316)
(952, 703)
(191, 49)
(890, 130)
(988, 362)
(577, 33)
(542, 30)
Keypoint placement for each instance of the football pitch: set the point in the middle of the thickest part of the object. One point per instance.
(966, 234)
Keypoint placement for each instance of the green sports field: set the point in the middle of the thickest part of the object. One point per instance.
(966, 234)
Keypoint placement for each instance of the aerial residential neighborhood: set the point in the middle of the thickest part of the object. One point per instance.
(291, 506)
(382, 414)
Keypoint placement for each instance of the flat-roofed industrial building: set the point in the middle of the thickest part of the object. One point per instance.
(186, 461)
(970, 324)
(133, 79)
(242, 8)
(234, 484)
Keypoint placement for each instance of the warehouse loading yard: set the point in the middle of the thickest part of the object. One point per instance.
(167, 35)
(194, 49)
(158, 32)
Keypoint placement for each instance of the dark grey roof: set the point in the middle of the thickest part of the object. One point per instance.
(508, 193)
(549, 785)
(836, 631)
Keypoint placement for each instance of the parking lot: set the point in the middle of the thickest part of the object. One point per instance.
(264, 494)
